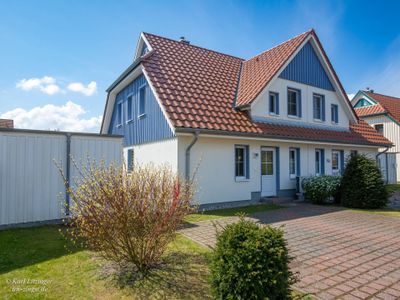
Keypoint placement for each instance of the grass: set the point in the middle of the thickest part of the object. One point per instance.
(69, 272)
(391, 188)
(384, 212)
(228, 212)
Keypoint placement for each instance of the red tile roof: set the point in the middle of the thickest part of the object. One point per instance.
(258, 71)
(369, 110)
(197, 88)
(6, 123)
(389, 104)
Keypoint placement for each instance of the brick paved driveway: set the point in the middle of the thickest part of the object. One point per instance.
(339, 254)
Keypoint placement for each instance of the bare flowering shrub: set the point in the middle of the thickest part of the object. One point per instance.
(129, 218)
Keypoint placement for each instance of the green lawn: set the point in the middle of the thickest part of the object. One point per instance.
(228, 212)
(391, 188)
(68, 272)
(384, 211)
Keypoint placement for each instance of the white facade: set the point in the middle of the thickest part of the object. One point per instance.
(31, 187)
(212, 164)
(259, 109)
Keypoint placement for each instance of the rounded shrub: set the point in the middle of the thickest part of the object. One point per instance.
(362, 185)
(320, 189)
(250, 262)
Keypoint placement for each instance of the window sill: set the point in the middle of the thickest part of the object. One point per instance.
(294, 117)
(141, 116)
(129, 121)
(292, 177)
(318, 120)
(242, 179)
(334, 123)
(272, 114)
(119, 126)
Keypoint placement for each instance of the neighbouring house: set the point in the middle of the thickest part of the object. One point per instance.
(248, 128)
(6, 123)
(383, 113)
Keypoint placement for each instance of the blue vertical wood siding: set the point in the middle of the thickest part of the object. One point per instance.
(306, 68)
(153, 126)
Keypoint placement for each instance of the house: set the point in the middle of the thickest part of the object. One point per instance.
(383, 113)
(246, 128)
(6, 123)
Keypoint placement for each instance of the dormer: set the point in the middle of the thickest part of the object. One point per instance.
(143, 47)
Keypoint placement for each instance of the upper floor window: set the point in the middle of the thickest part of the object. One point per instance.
(273, 103)
(335, 113)
(294, 160)
(294, 102)
(119, 114)
(145, 49)
(241, 162)
(130, 108)
(142, 101)
(319, 107)
(379, 128)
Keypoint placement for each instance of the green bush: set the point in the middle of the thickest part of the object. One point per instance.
(250, 262)
(362, 185)
(319, 189)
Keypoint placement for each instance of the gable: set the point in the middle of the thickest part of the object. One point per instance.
(363, 102)
(136, 129)
(306, 68)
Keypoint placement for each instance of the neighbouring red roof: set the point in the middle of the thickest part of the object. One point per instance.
(197, 88)
(6, 123)
(388, 104)
(369, 110)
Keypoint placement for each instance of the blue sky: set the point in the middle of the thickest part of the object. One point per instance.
(58, 57)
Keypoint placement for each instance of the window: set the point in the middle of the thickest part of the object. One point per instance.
(294, 103)
(335, 162)
(142, 101)
(274, 103)
(379, 128)
(319, 160)
(334, 113)
(319, 107)
(267, 162)
(129, 160)
(241, 161)
(130, 111)
(353, 153)
(293, 162)
(145, 49)
(119, 114)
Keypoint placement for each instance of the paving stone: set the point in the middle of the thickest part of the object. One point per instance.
(338, 253)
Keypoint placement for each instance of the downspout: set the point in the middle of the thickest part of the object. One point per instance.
(68, 173)
(187, 158)
(386, 162)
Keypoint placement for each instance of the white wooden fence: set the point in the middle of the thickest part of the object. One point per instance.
(30, 183)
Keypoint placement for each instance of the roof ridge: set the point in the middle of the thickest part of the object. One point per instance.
(280, 44)
(195, 46)
(368, 92)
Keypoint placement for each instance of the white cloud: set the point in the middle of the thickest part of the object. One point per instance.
(45, 84)
(67, 117)
(88, 90)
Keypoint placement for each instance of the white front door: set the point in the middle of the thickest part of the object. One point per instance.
(268, 172)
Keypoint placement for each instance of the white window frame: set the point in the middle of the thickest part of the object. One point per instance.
(245, 175)
(129, 168)
(275, 104)
(319, 163)
(339, 163)
(119, 114)
(141, 113)
(321, 110)
(129, 101)
(293, 175)
(380, 124)
(298, 95)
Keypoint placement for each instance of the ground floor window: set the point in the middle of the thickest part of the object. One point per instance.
(293, 162)
(353, 153)
(336, 162)
(129, 160)
(319, 161)
(241, 162)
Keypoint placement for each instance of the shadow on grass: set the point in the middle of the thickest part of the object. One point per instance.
(28, 246)
(178, 276)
